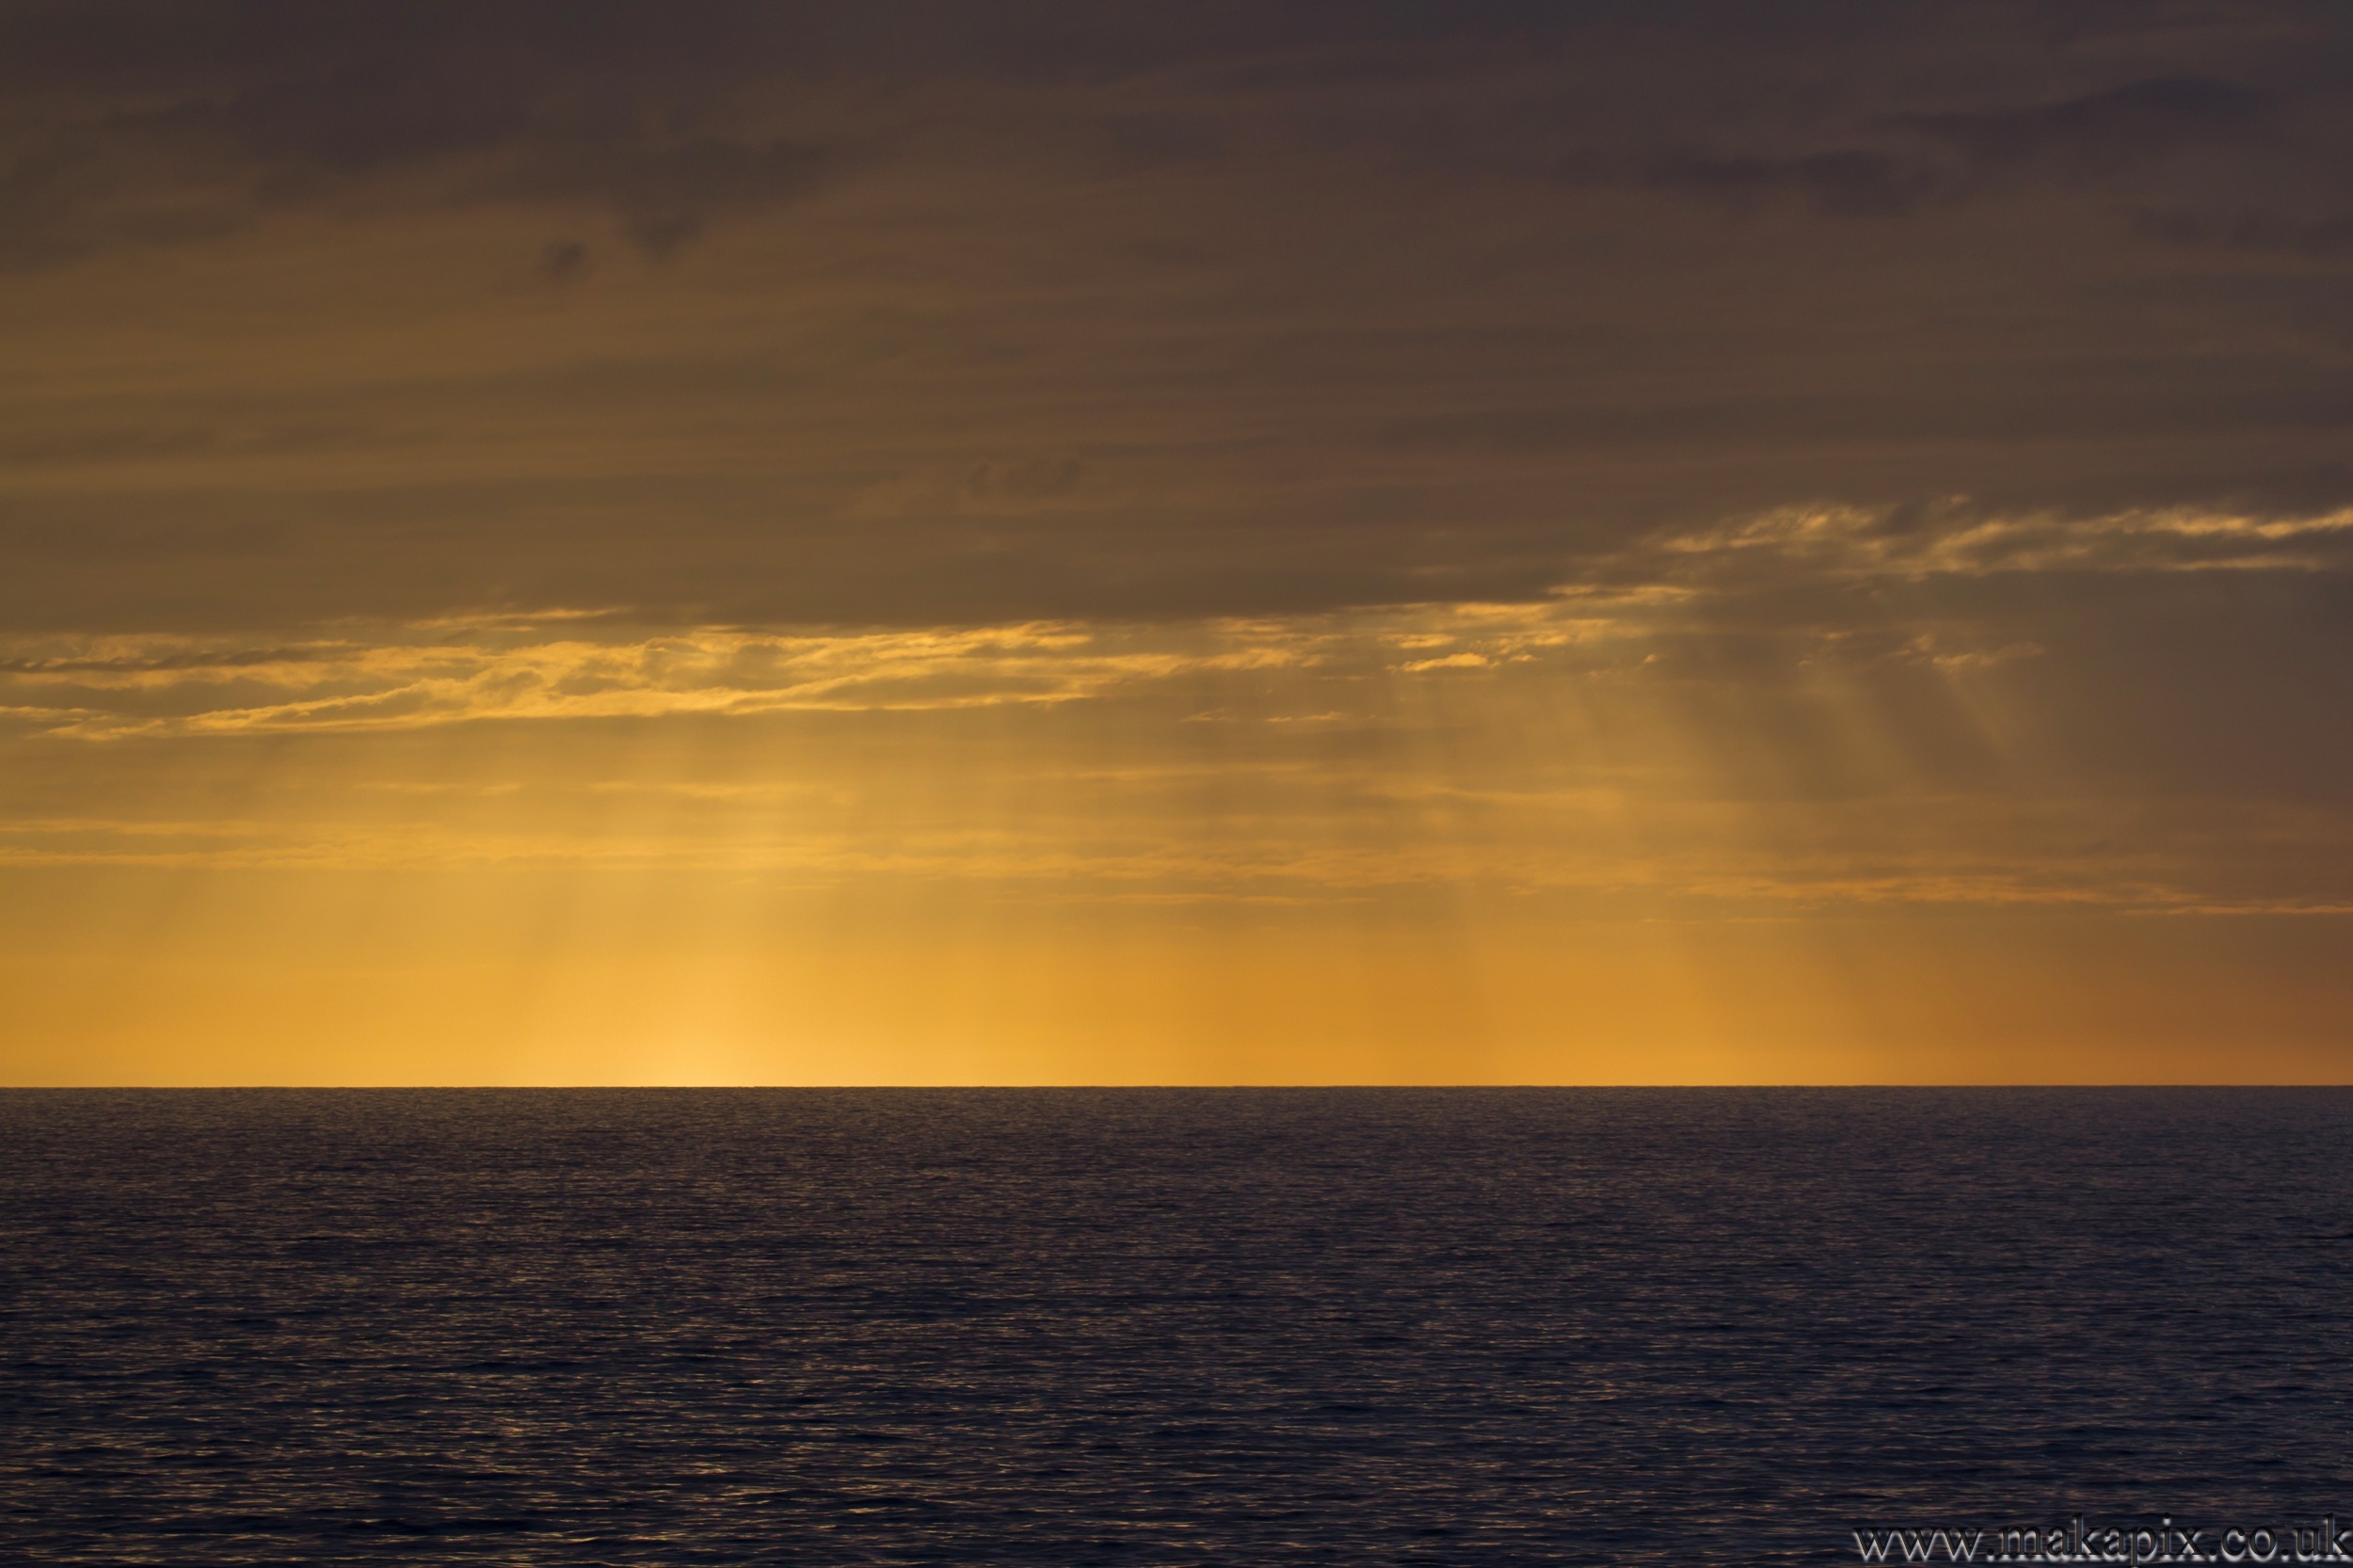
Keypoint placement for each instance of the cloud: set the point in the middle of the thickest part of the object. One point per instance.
(563, 667)
(1853, 542)
(562, 261)
(1799, 713)
(1943, 158)
(414, 677)
(1848, 181)
(1069, 316)
(2313, 238)
(2138, 121)
(165, 122)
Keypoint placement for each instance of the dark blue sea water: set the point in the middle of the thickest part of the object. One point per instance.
(1158, 1327)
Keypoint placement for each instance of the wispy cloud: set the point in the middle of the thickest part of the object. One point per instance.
(1857, 541)
(1684, 596)
(411, 676)
(453, 670)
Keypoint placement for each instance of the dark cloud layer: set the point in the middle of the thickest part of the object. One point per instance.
(910, 314)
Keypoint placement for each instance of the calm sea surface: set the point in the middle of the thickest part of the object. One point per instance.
(1251, 1327)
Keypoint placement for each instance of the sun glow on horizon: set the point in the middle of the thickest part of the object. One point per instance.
(1560, 842)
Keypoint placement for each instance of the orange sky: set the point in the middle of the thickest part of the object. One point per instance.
(891, 545)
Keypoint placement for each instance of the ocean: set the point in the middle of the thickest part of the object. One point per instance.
(1163, 1327)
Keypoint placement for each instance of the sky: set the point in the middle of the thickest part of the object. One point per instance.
(1365, 542)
